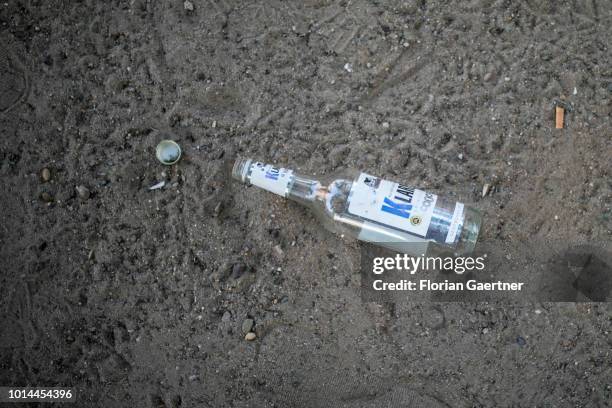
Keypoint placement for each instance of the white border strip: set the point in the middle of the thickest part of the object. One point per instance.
(454, 226)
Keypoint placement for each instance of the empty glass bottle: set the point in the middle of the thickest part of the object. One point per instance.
(371, 209)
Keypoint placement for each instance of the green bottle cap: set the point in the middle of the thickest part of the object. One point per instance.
(168, 152)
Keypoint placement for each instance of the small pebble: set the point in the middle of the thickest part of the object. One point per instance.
(460, 156)
(485, 189)
(237, 270)
(348, 67)
(158, 185)
(46, 197)
(83, 192)
(538, 311)
(488, 77)
(250, 336)
(217, 209)
(188, 5)
(434, 318)
(247, 325)
(385, 125)
(45, 174)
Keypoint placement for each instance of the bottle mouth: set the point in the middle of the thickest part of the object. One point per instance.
(240, 169)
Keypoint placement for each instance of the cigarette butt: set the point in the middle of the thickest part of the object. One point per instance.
(559, 117)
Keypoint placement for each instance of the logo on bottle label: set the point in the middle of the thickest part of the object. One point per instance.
(400, 204)
(272, 173)
(399, 209)
(273, 179)
(392, 204)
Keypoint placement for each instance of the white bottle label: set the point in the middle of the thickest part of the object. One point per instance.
(273, 179)
(392, 204)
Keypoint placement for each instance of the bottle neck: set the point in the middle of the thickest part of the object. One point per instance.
(305, 190)
(281, 181)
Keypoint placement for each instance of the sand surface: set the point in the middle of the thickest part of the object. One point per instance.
(137, 297)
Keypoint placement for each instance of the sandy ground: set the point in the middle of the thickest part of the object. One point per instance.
(137, 297)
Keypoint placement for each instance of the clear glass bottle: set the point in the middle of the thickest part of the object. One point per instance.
(372, 209)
